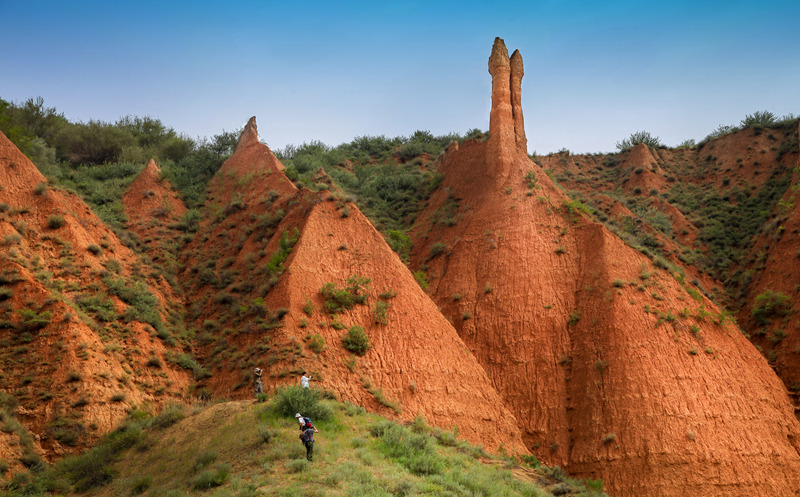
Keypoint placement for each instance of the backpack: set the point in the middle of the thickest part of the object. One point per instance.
(308, 424)
(307, 435)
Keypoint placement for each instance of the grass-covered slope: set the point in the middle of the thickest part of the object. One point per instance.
(246, 448)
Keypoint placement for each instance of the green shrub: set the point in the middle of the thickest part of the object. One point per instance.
(99, 305)
(759, 119)
(40, 188)
(422, 279)
(6, 293)
(204, 460)
(317, 343)
(30, 320)
(380, 312)
(210, 478)
(400, 242)
(265, 434)
(412, 450)
(55, 221)
(769, 304)
(436, 249)
(596, 485)
(285, 245)
(637, 138)
(356, 340)
(168, 417)
(186, 361)
(339, 299)
(140, 484)
(66, 431)
(89, 470)
(144, 306)
(574, 317)
(531, 179)
(309, 308)
(336, 299)
(293, 399)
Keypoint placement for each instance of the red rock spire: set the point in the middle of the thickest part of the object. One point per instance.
(501, 120)
(249, 134)
(516, 102)
(506, 126)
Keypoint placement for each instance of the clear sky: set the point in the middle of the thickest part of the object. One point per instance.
(595, 71)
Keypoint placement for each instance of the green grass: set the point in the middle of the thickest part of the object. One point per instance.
(221, 450)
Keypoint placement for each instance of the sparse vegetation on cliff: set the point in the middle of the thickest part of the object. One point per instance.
(770, 304)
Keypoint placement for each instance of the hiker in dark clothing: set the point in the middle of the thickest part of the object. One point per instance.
(257, 385)
(307, 430)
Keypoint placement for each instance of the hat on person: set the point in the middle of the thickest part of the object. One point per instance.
(298, 415)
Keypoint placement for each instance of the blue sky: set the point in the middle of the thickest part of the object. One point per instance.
(594, 71)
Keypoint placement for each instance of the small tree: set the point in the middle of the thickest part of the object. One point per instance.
(769, 304)
(637, 138)
(356, 341)
(759, 119)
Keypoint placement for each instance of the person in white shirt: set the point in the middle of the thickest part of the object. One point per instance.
(304, 381)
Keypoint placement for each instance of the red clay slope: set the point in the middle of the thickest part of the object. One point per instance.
(153, 207)
(776, 253)
(74, 377)
(612, 369)
(417, 362)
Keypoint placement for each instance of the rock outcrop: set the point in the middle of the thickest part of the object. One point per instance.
(611, 366)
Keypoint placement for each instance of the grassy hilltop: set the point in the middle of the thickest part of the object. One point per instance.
(246, 448)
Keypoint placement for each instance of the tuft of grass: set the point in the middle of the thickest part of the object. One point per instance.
(297, 465)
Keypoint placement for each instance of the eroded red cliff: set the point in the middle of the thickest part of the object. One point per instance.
(278, 250)
(614, 369)
(75, 355)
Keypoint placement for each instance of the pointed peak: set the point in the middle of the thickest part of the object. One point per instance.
(249, 134)
(152, 167)
(499, 56)
(516, 63)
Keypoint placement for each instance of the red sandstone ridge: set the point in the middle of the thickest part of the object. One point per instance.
(612, 368)
(60, 358)
(417, 363)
